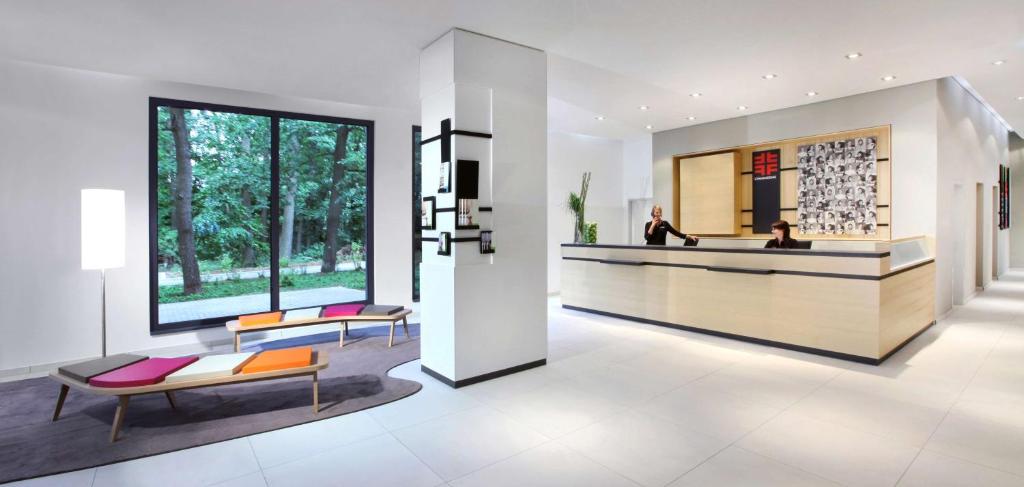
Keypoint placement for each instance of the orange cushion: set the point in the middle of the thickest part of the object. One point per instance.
(287, 358)
(260, 319)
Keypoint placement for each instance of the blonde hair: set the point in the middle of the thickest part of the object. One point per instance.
(655, 208)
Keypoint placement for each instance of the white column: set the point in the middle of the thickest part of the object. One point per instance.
(485, 314)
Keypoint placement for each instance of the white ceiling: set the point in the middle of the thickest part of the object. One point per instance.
(606, 57)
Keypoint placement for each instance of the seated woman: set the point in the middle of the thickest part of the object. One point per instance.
(782, 240)
(656, 229)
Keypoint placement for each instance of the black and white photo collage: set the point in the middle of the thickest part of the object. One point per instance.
(838, 187)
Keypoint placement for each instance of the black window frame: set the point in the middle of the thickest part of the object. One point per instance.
(275, 116)
(417, 230)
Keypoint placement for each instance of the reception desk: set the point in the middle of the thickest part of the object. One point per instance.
(862, 304)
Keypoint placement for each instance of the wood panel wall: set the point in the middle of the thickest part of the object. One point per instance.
(710, 197)
(788, 182)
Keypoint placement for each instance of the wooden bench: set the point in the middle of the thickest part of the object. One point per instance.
(237, 329)
(123, 394)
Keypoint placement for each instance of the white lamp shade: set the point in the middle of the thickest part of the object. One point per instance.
(102, 228)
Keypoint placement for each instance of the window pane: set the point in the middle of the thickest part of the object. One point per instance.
(323, 213)
(213, 190)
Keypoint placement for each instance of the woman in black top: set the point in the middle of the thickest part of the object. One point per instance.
(782, 240)
(656, 229)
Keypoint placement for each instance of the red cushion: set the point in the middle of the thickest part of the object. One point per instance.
(343, 310)
(144, 373)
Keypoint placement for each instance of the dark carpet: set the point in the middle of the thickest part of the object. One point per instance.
(32, 446)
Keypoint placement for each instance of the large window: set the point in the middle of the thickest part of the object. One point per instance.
(255, 210)
(417, 205)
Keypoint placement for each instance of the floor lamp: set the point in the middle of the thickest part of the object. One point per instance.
(102, 240)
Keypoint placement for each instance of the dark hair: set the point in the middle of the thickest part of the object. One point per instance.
(782, 225)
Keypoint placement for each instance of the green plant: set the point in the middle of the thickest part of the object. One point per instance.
(576, 204)
(591, 233)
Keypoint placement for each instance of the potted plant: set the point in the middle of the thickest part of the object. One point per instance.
(576, 205)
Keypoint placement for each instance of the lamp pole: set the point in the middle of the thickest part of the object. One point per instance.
(103, 309)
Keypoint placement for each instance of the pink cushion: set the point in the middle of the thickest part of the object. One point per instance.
(144, 373)
(343, 310)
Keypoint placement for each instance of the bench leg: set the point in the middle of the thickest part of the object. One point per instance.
(346, 328)
(60, 401)
(405, 324)
(122, 405)
(170, 399)
(391, 335)
(238, 342)
(316, 393)
(341, 335)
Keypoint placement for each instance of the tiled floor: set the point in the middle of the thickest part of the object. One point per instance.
(622, 403)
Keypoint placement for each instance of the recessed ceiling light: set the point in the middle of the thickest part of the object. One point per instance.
(1020, 98)
(644, 107)
(812, 93)
(691, 117)
(999, 62)
(695, 95)
(598, 118)
(888, 77)
(769, 76)
(853, 55)
(741, 107)
(648, 127)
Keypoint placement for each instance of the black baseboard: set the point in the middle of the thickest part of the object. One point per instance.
(484, 377)
(759, 341)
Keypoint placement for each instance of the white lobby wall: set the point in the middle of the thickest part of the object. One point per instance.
(971, 145)
(569, 156)
(1016, 161)
(65, 129)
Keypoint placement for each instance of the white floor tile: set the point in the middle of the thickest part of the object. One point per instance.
(457, 444)
(254, 479)
(904, 422)
(710, 411)
(736, 467)
(379, 461)
(429, 403)
(206, 465)
(761, 385)
(557, 409)
(284, 445)
(548, 465)
(511, 385)
(628, 386)
(830, 451)
(643, 448)
(934, 470)
(983, 433)
(78, 478)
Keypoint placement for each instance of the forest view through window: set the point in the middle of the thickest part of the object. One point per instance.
(255, 211)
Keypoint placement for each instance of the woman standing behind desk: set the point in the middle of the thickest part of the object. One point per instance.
(782, 240)
(656, 229)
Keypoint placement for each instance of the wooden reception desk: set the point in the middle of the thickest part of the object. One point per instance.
(860, 305)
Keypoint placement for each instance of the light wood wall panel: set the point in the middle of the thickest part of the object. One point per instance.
(789, 185)
(709, 197)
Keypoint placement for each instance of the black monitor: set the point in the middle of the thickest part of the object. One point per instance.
(803, 244)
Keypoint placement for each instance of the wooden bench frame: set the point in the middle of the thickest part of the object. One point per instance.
(123, 394)
(402, 315)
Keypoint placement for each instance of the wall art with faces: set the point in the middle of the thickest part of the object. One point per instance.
(838, 187)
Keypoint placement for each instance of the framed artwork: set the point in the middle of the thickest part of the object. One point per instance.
(428, 216)
(837, 192)
(445, 183)
(444, 243)
(487, 242)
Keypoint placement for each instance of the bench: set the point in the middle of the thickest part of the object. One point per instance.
(237, 328)
(168, 388)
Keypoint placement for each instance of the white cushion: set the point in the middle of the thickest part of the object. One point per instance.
(211, 367)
